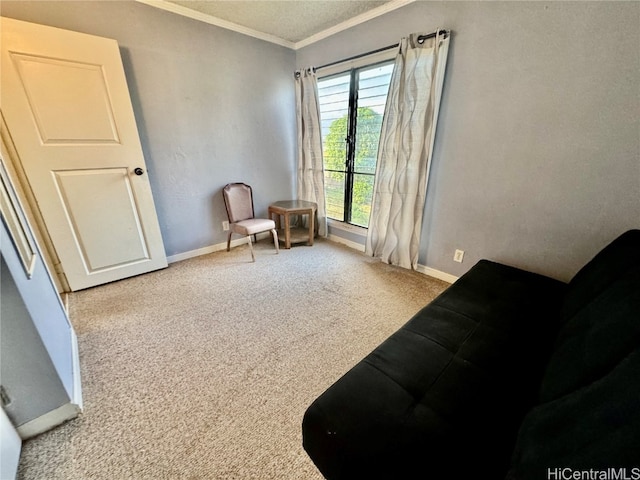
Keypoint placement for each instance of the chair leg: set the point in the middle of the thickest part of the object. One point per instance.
(275, 240)
(229, 241)
(253, 257)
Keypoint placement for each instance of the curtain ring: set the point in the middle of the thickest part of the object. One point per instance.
(306, 71)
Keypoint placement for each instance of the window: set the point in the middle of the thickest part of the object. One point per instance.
(351, 110)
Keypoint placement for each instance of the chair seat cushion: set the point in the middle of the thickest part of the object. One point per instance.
(253, 225)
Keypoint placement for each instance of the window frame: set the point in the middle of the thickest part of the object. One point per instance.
(353, 68)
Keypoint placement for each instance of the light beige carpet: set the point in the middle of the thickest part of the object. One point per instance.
(204, 370)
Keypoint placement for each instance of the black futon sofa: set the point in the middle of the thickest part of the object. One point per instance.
(507, 374)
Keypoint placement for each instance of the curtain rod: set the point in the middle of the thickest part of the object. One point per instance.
(421, 38)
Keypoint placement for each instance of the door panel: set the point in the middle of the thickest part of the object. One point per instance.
(67, 107)
(84, 104)
(92, 224)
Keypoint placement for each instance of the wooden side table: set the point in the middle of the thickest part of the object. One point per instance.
(286, 208)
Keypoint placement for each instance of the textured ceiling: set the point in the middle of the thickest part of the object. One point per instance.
(292, 21)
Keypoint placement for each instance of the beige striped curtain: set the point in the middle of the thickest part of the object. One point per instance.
(310, 176)
(405, 150)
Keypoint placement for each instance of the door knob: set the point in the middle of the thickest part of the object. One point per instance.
(138, 171)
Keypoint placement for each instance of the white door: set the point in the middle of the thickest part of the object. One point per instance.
(66, 104)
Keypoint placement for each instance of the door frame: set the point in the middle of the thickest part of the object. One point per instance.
(11, 447)
(27, 201)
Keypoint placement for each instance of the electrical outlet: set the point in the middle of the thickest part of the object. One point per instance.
(458, 256)
(225, 226)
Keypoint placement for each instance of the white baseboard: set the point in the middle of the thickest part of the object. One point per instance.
(77, 380)
(218, 247)
(432, 272)
(348, 243)
(48, 421)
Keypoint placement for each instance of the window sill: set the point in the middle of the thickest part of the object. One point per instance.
(347, 227)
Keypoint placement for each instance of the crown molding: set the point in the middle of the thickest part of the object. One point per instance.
(218, 22)
(352, 22)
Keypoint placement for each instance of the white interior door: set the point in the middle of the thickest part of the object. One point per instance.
(66, 104)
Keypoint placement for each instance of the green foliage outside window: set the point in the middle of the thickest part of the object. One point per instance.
(366, 150)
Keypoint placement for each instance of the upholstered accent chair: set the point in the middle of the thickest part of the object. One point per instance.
(238, 200)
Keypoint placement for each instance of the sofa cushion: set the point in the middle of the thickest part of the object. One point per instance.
(621, 255)
(588, 415)
(600, 322)
(593, 428)
(426, 399)
(595, 339)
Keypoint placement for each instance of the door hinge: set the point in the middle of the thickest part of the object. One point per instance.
(4, 397)
(62, 277)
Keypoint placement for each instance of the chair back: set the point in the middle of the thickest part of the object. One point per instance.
(238, 200)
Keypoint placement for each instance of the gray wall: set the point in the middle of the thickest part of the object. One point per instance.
(45, 312)
(537, 155)
(212, 107)
(36, 338)
(26, 370)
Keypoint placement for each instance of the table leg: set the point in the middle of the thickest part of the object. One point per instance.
(312, 227)
(287, 231)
